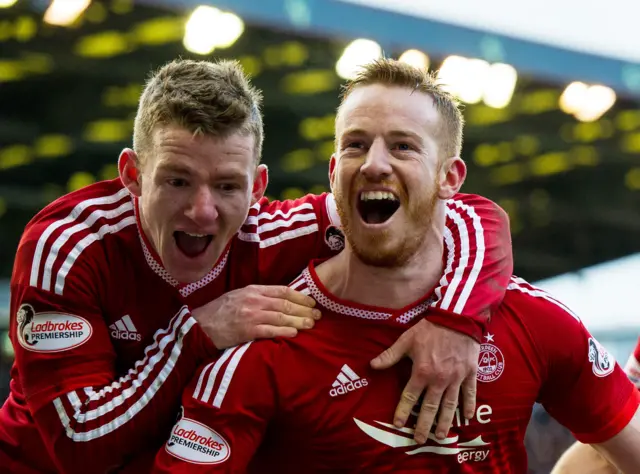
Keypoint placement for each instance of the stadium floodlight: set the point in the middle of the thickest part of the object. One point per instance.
(587, 103)
(598, 100)
(357, 53)
(573, 96)
(415, 58)
(209, 28)
(7, 3)
(464, 78)
(65, 12)
(500, 85)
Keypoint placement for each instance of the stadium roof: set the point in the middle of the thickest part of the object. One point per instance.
(572, 188)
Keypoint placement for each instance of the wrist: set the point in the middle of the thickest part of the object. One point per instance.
(468, 325)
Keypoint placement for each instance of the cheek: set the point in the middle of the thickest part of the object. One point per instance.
(234, 209)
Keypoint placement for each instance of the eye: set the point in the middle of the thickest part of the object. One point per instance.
(177, 182)
(228, 187)
(355, 145)
(403, 147)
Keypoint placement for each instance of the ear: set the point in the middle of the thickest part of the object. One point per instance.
(260, 183)
(332, 169)
(129, 172)
(451, 177)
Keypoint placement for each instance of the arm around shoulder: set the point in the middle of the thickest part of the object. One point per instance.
(88, 416)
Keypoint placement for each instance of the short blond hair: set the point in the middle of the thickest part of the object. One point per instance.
(391, 72)
(204, 97)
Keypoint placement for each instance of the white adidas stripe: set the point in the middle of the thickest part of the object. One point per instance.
(479, 260)
(287, 235)
(119, 325)
(349, 372)
(128, 323)
(73, 215)
(233, 355)
(124, 324)
(212, 376)
(83, 244)
(68, 233)
(345, 376)
(228, 374)
(450, 245)
(458, 276)
(302, 213)
(143, 400)
(254, 220)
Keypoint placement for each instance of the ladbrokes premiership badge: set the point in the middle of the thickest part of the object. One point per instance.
(490, 361)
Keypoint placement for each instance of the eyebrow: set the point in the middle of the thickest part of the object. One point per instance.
(406, 134)
(174, 168)
(392, 133)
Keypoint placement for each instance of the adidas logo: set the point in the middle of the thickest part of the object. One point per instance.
(346, 381)
(123, 328)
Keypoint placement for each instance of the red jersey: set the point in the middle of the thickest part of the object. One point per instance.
(104, 339)
(632, 368)
(313, 403)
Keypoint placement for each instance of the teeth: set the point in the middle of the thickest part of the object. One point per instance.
(377, 195)
(195, 235)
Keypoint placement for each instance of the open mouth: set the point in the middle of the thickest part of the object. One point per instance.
(192, 245)
(377, 207)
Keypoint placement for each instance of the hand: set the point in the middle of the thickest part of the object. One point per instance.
(256, 312)
(443, 362)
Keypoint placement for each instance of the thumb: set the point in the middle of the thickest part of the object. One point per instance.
(392, 355)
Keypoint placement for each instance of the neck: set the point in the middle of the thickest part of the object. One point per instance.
(348, 278)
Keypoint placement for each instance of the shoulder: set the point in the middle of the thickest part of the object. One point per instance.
(238, 370)
(476, 209)
(534, 303)
(532, 313)
(60, 237)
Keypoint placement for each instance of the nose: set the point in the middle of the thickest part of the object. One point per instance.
(377, 165)
(202, 208)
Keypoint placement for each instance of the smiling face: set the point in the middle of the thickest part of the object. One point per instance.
(386, 175)
(194, 194)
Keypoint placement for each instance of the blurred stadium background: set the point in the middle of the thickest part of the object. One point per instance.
(551, 93)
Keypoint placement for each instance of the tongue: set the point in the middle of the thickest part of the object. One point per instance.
(191, 246)
(375, 217)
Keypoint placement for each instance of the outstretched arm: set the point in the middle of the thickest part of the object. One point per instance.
(444, 346)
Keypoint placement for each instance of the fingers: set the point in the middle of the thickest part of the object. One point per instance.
(264, 331)
(286, 293)
(278, 319)
(288, 302)
(427, 415)
(447, 411)
(392, 355)
(469, 391)
(408, 400)
(291, 309)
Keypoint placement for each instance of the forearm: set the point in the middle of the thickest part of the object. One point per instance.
(623, 450)
(97, 428)
(583, 459)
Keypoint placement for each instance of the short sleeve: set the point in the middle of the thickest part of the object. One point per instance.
(584, 388)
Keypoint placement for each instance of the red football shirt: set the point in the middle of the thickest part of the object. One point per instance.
(632, 368)
(313, 403)
(103, 336)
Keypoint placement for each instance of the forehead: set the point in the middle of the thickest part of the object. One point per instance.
(380, 106)
(175, 146)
